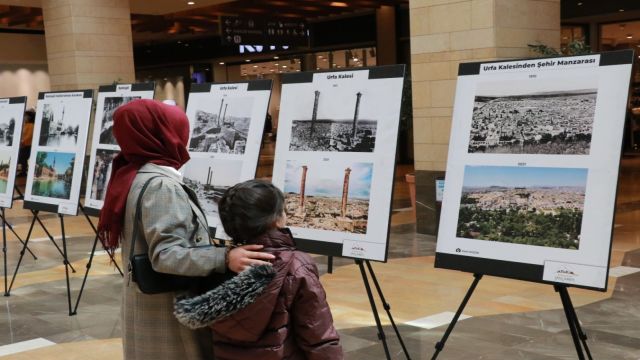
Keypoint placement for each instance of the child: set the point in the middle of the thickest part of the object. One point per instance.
(265, 312)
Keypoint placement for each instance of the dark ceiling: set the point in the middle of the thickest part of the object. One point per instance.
(205, 21)
(581, 8)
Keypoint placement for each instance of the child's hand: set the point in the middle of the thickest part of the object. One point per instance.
(241, 257)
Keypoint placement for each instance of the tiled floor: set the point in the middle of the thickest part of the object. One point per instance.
(507, 319)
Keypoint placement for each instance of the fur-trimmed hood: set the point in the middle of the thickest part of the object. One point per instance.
(225, 300)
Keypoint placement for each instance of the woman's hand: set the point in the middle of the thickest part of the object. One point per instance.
(244, 256)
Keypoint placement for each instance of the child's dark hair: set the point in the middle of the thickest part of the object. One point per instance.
(250, 209)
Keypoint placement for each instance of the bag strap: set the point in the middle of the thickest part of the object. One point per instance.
(137, 218)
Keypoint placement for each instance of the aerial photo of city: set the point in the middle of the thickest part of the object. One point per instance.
(533, 120)
(523, 205)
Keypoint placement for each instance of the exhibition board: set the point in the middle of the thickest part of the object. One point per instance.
(227, 122)
(532, 168)
(335, 158)
(58, 150)
(11, 116)
(104, 147)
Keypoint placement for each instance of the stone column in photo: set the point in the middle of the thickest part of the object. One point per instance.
(88, 43)
(303, 182)
(445, 33)
(345, 192)
(355, 115)
(314, 115)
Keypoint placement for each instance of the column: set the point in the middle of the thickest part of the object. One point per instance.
(386, 35)
(345, 192)
(88, 43)
(303, 182)
(445, 33)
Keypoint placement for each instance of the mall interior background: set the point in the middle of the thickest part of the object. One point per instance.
(76, 44)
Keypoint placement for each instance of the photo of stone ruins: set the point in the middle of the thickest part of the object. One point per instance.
(344, 135)
(225, 132)
(320, 210)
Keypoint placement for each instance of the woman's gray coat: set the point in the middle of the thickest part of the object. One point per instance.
(150, 331)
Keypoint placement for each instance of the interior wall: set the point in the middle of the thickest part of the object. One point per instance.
(23, 69)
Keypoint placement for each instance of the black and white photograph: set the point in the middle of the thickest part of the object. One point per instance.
(222, 125)
(534, 117)
(319, 132)
(7, 129)
(102, 173)
(321, 195)
(111, 103)
(210, 178)
(60, 128)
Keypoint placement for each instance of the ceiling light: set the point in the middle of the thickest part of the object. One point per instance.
(276, 64)
(284, 66)
(629, 36)
(248, 60)
(255, 66)
(356, 59)
(191, 2)
(621, 10)
(276, 57)
(221, 63)
(339, 4)
(207, 69)
(579, 4)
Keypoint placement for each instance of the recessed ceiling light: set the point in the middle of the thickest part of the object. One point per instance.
(629, 36)
(248, 60)
(221, 63)
(276, 64)
(284, 66)
(621, 10)
(339, 4)
(191, 2)
(255, 66)
(579, 4)
(207, 69)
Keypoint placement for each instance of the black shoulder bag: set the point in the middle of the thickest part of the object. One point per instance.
(140, 270)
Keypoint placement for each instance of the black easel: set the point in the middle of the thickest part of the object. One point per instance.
(374, 308)
(90, 262)
(572, 318)
(63, 252)
(5, 224)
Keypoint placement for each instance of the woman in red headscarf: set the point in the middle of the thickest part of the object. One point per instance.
(153, 139)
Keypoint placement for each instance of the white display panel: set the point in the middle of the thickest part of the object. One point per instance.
(227, 122)
(335, 158)
(11, 116)
(57, 151)
(104, 147)
(532, 169)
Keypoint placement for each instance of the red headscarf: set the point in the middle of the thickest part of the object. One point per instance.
(148, 132)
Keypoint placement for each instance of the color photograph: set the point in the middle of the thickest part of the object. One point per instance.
(536, 206)
(318, 132)
(53, 174)
(222, 126)
(111, 103)
(534, 117)
(320, 195)
(102, 173)
(5, 168)
(210, 178)
(58, 127)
